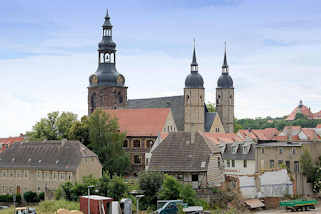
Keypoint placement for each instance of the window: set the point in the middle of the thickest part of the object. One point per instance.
(280, 162)
(296, 167)
(233, 163)
(262, 150)
(194, 177)
(245, 163)
(180, 177)
(244, 149)
(137, 143)
(281, 150)
(234, 149)
(228, 163)
(125, 143)
(288, 165)
(93, 102)
(149, 143)
(271, 164)
(137, 159)
(218, 162)
(293, 151)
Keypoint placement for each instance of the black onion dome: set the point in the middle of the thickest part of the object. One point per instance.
(194, 80)
(106, 43)
(107, 75)
(225, 81)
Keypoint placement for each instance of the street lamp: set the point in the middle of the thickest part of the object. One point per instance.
(137, 202)
(89, 197)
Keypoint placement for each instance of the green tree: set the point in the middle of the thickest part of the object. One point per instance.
(106, 141)
(171, 189)
(150, 183)
(117, 188)
(55, 127)
(103, 184)
(211, 107)
(80, 131)
(237, 126)
(307, 165)
(188, 194)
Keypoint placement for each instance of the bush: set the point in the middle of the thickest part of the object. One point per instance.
(188, 194)
(31, 197)
(9, 198)
(53, 206)
(117, 188)
(42, 196)
(170, 189)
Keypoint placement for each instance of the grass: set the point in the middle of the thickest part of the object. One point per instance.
(48, 207)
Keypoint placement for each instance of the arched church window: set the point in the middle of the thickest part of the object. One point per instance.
(101, 58)
(112, 58)
(107, 58)
(120, 98)
(93, 102)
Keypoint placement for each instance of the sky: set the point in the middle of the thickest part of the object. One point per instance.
(49, 50)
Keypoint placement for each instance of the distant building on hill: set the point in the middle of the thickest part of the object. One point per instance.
(306, 111)
(43, 166)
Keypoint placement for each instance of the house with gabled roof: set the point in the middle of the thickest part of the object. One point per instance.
(43, 166)
(6, 142)
(191, 158)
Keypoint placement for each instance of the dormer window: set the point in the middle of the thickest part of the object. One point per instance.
(244, 149)
(234, 149)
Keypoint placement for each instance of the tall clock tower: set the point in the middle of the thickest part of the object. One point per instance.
(107, 88)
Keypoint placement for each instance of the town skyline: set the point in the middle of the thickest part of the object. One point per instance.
(48, 53)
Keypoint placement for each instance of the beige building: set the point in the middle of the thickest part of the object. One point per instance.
(41, 166)
(275, 155)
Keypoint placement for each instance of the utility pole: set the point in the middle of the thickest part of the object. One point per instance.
(89, 197)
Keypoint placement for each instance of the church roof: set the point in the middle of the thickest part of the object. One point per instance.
(175, 103)
(300, 109)
(209, 119)
(48, 155)
(181, 152)
(141, 122)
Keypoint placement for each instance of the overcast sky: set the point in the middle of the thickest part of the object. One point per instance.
(48, 49)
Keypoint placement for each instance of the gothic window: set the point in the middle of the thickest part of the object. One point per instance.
(120, 97)
(201, 98)
(107, 58)
(93, 102)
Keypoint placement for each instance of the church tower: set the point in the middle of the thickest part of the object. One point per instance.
(225, 98)
(194, 99)
(106, 86)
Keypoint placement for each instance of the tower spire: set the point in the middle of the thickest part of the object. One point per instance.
(194, 65)
(225, 65)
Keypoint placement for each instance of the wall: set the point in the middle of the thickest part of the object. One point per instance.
(89, 166)
(194, 109)
(170, 125)
(225, 107)
(239, 168)
(217, 124)
(268, 184)
(215, 170)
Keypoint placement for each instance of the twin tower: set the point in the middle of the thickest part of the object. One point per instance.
(107, 88)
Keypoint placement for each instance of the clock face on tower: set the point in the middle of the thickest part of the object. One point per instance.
(120, 80)
(93, 79)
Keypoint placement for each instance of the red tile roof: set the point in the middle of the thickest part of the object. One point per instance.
(300, 109)
(218, 138)
(259, 134)
(8, 141)
(310, 133)
(317, 115)
(141, 122)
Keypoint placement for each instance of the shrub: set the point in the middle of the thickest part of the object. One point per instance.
(170, 189)
(42, 196)
(117, 188)
(54, 205)
(31, 197)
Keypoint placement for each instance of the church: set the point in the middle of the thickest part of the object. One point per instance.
(144, 120)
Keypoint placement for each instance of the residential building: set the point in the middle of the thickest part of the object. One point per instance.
(6, 142)
(191, 158)
(43, 166)
(277, 155)
(262, 135)
(239, 158)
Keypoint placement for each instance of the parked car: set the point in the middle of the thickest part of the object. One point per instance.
(25, 210)
(169, 206)
(4, 207)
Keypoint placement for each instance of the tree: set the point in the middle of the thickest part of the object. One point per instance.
(103, 184)
(237, 126)
(117, 188)
(106, 141)
(80, 131)
(54, 127)
(188, 195)
(150, 183)
(211, 107)
(170, 189)
(307, 165)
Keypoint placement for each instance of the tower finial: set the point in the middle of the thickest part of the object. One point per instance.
(107, 14)
(225, 66)
(194, 61)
